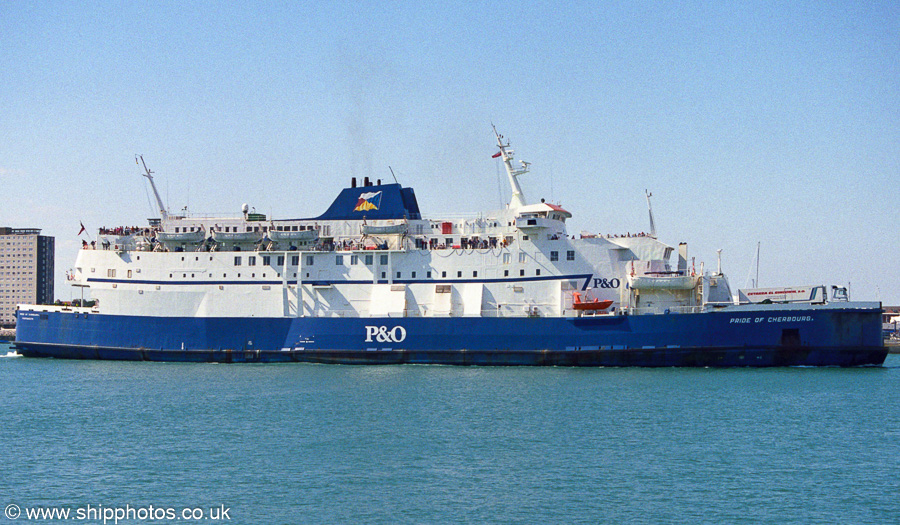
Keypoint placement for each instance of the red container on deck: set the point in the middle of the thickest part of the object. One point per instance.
(446, 228)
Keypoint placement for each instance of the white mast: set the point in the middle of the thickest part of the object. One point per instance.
(149, 174)
(650, 209)
(517, 199)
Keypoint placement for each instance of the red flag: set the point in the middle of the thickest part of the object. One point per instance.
(495, 155)
(82, 228)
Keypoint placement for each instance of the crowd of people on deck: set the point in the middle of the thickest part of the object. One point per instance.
(371, 243)
(124, 230)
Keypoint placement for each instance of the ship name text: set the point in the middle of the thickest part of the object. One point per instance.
(790, 319)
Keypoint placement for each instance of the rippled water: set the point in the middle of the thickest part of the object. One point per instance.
(423, 444)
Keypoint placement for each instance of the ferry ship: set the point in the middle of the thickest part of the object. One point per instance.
(373, 281)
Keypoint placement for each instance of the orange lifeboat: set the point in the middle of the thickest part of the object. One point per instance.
(595, 304)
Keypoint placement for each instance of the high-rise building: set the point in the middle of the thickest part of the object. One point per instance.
(26, 270)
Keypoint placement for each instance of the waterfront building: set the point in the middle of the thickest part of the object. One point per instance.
(26, 270)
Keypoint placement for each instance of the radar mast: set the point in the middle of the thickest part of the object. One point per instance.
(149, 174)
(517, 199)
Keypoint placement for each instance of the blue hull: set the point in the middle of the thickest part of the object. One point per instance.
(798, 337)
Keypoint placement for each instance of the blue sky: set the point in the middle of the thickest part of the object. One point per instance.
(770, 122)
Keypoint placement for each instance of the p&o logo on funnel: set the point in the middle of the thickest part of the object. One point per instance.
(368, 201)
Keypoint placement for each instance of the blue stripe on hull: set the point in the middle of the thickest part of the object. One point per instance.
(812, 337)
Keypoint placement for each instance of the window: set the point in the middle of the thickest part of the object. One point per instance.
(129, 274)
(237, 260)
(339, 260)
(524, 237)
(506, 257)
(428, 275)
(354, 260)
(109, 273)
(384, 260)
(370, 259)
(398, 275)
(443, 274)
(537, 272)
(414, 275)
(310, 260)
(458, 274)
(295, 260)
(570, 255)
(522, 273)
(382, 275)
(251, 260)
(267, 260)
(521, 257)
(554, 256)
(505, 273)
(281, 260)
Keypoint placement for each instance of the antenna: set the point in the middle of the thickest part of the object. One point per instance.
(392, 174)
(517, 199)
(149, 174)
(650, 209)
(757, 264)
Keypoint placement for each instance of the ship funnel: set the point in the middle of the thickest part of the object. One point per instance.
(352, 182)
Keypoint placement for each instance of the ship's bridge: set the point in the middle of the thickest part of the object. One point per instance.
(540, 216)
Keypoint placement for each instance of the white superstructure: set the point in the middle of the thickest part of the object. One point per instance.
(373, 254)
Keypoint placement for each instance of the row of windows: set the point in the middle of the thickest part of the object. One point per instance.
(234, 229)
(369, 259)
(459, 274)
(266, 260)
(310, 260)
(570, 255)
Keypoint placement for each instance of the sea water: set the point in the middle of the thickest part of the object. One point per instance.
(300, 443)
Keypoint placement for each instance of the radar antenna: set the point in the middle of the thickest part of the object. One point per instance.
(517, 199)
(149, 174)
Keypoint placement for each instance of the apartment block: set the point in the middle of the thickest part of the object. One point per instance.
(26, 270)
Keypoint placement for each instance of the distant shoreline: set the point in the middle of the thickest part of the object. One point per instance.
(7, 334)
